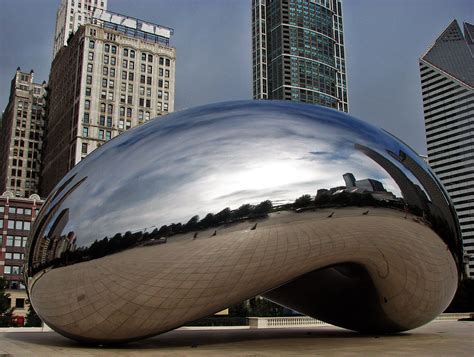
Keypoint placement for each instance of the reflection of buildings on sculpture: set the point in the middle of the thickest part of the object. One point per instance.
(124, 71)
(16, 217)
(373, 187)
(447, 84)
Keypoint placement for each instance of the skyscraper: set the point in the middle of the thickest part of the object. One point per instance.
(72, 14)
(298, 51)
(447, 80)
(116, 73)
(21, 136)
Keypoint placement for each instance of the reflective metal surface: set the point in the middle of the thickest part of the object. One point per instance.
(185, 215)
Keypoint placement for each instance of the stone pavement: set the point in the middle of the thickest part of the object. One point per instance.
(438, 338)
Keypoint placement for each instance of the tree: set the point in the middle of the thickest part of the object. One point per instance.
(6, 311)
(32, 319)
(303, 201)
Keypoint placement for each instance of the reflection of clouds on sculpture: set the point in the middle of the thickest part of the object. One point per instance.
(286, 154)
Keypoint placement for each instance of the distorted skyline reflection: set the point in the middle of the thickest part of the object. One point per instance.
(204, 159)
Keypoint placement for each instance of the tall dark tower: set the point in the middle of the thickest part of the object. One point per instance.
(298, 52)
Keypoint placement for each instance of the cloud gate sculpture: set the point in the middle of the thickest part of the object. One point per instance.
(188, 214)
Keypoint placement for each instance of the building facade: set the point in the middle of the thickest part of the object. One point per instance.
(21, 136)
(447, 81)
(16, 218)
(298, 52)
(70, 15)
(120, 73)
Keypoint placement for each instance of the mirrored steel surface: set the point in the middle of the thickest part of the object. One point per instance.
(183, 216)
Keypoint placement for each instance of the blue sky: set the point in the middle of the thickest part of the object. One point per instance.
(384, 39)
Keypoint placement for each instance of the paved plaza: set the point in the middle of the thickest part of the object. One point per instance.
(439, 338)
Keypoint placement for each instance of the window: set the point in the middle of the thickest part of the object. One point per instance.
(106, 59)
(84, 148)
(140, 117)
(162, 61)
(101, 134)
(1, 223)
(141, 102)
(111, 83)
(160, 83)
(130, 88)
(148, 92)
(122, 111)
(167, 62)
(147, 116)
(89, 67)
(102, 120)
(89, 79)
(148, 80)
(102, 107)
(160, 72)
(125, 52)
(110, 96)
(165, 107)
(131, 65)
(87, 104)
(110, 109)
(167, 73)
(112, 72)
(142, 67)
(142, 79)
(91, 44)
(88, 91)
(141, 91)
(103, 94)
(121, 126)
(108, 135)
(130, 100)
(9, 241)
(130, 76)
(167, 84)
(124, 75)
(132, 54)
(107, 47)
(143, 56)
(128, 124)
(104, 82)
(90, 56)
(19, 303)
(109, 122)
(148, 103)
(122, 98)
(114, 49)
(160, 94)
(129, 112)
(85, 132)
(167, 95)
(26, 226)
(124, 63)
(12, 210)
(113, 61)
(28, 211)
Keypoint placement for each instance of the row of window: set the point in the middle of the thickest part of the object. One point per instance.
(16, 210)
(14, 241)
(12, 270)
(145, 57)
(16, 224)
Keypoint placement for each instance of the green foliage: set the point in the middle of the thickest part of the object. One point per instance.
(5, 310)
(32, 319)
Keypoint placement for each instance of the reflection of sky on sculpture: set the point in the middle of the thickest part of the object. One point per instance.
(215, 157)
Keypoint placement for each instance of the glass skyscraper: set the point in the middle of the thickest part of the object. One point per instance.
(298, 52)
